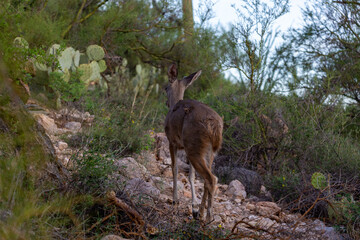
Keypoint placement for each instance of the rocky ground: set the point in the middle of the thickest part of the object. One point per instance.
(149, 174)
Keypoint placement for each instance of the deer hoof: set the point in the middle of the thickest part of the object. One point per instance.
(195, 214)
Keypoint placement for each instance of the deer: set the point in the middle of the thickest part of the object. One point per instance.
(196, 128)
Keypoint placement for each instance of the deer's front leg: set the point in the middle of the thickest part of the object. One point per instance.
(174, 168)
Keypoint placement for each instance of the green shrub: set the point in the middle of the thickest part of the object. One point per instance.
(94, 173)
(70, 90)
(121, 128)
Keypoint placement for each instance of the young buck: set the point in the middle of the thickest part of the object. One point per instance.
(196, 128)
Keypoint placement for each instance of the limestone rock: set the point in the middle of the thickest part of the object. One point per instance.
(137, 186)
(62, 145)
(236, 190)
(267, 209)
(73, 126)
(130, 168)
(47, 123)
(113, 237)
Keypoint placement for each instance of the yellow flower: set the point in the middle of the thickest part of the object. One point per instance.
(220, 225)
(132, 121)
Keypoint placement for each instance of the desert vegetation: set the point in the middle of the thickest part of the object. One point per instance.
(291, 111)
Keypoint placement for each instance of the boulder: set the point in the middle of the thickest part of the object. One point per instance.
(130, 168)
(73, 126)
(236, 190)
(267, 209)
(47, 123)
(113, 237)
(138, 187)
(250, 179)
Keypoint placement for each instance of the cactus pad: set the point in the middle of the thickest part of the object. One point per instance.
(95, 52)
(318, 180)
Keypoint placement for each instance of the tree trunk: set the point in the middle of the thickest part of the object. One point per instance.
(188, 19)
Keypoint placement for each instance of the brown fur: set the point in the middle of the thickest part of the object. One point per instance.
(196, 128)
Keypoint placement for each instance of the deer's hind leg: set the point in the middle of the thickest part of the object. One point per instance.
(174, 168)
(194, 203)
(197, 158)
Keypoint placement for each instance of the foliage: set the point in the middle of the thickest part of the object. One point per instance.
(249, 43)
(70, 90)
(94, 173)
(122, 128)
(321, 58)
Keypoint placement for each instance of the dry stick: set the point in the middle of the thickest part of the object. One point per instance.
(102, 220)
(132, 213)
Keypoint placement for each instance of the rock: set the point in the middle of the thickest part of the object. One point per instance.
(62, 145)
(163, 153)
(113, 237)
(137, 186)
(166, 186)
(130, 168)
(267, 209)
(47, 123)
(73, 126)
(250, 179)
(236, 190)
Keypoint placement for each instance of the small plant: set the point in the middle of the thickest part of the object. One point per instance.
(94, 173)
(70, 90)
(318, 180)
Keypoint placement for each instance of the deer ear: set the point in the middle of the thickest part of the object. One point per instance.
(191, 78)
(172, 73)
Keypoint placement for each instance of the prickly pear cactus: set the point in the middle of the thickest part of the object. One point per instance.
(83, 59)
(76, 58)
(53, 49)
(21, 43)
(95, 52)
(66, 58)
(95, 72)
(40, 66)
(66, 75)
(318, 180)
(85, 72)
(102, 65)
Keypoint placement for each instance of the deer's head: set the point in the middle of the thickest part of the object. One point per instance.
(176, 88)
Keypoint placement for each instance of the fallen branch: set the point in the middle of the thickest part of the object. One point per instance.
(132, 213)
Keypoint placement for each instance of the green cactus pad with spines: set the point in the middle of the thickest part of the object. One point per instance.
(40, 66)
(318, 180)
(21, 42)
(76, 58)
(85, 71)
(66, 75)
(83, 59)
(53, 49)
(95, 72)
(95, 52)
(66, 58)
(102, 65)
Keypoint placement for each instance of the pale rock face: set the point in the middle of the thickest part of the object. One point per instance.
(130, 168)
(114, 237)
(73, 126)
(138, 187)
(267, 209)
(48, 123)
(236, 190)
(62, 145)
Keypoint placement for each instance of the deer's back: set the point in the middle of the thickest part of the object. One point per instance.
(192, 123)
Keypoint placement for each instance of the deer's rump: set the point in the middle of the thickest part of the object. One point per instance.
(191, 122)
